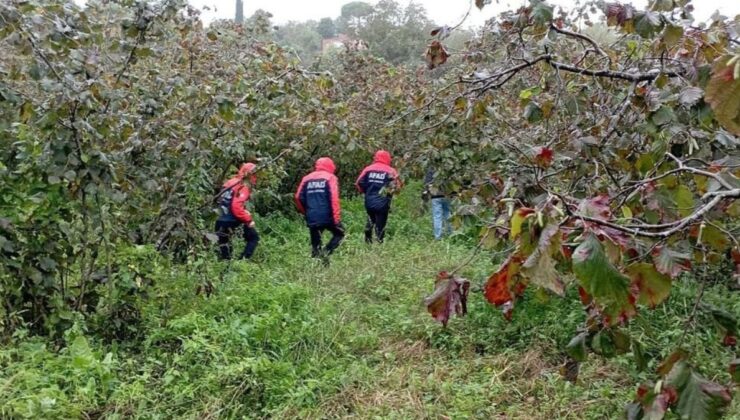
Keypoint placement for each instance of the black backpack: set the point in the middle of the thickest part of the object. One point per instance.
(224, 199)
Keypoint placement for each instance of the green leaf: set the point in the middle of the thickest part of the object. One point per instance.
(726, 321)
(602, 345)
(662, 5)
(672, 34)
(226, 109)
(533, 113)
(600, 279)
(647, 23)
(715, 238)
(576, 348)
(663, 116)
(609, 342)
(26, 112)
(684, 199)
(639, 354)
(542, 13)
(653, 286)
(698, 398)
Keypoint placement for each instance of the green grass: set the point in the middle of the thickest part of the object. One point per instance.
(285, 337)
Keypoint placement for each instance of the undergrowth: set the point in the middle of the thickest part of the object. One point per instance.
(285, 337)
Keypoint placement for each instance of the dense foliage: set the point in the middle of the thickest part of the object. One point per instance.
(596, 150)
(611, 153)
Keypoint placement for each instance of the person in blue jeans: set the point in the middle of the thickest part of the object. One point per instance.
(440, 204)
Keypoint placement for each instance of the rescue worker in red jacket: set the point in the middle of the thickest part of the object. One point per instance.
(232, 201)
(317, 198)
(378, 182)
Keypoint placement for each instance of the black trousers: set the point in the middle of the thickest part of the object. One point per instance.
(337, 232)
(224, 230)
(376, 219)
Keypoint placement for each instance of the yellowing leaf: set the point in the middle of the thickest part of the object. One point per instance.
(540, 266)
(517, 219)
(684, 199)
(723, 94)
(672, 34)
(653, 286)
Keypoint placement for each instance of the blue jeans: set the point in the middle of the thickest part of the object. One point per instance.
(441, 216)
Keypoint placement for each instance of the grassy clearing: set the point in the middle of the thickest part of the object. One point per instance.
(285, 337)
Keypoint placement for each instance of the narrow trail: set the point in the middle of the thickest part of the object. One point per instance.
(371, 333)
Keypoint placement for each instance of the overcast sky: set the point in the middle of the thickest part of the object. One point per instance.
(441, 11)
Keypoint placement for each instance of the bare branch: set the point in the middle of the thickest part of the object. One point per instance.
(582, 37)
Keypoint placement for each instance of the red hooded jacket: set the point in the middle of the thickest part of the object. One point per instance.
(241, 194)
(317, 196)
(374, 178)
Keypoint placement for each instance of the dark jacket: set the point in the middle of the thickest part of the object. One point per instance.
(317, 196)
(374, 178)
(434, 186)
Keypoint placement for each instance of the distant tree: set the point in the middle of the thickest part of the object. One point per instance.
(260, 22)
(396, 33)
(301, 37)
(354, 15)
(326, 28)
(239, 17)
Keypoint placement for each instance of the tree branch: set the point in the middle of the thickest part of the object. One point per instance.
(632, 77)
(582, 37)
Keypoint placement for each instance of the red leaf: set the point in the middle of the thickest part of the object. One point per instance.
(734, 371)
(450, 297)
(504, 286)
(436, 54)
(497, 288)
(597, 207)
(585, 297)
(729, 341)
(543, 156)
